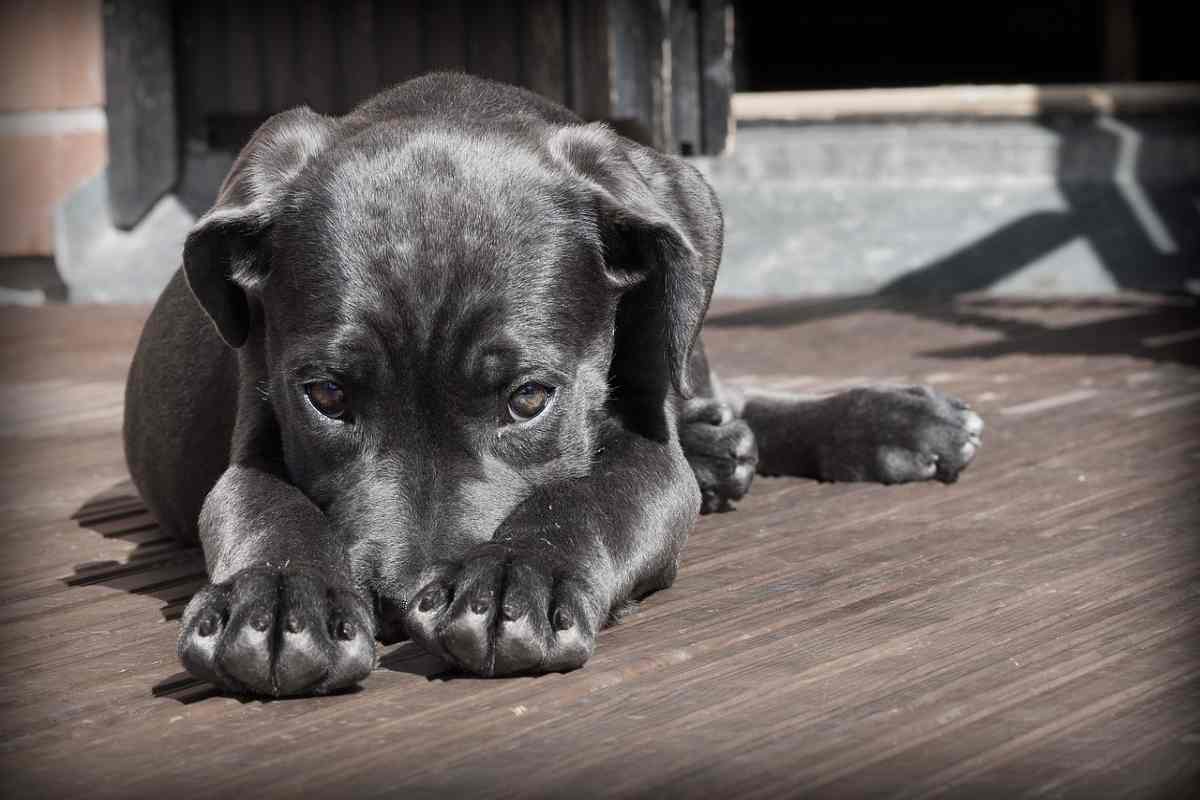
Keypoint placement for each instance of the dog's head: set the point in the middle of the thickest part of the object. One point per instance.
(442, 317)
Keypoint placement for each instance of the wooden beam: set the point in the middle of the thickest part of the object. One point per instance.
(685, 77)
(1120, 41)
(637, 33)
(492, 42)
(143, 140)
(543, 48)
(716, 74)
(967, 101)
(445, 35)
(356, 53)
(590, 84)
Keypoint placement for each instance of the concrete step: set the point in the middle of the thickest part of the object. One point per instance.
(1062, 205)
(1071, 204)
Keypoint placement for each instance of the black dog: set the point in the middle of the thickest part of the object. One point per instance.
(437, 375)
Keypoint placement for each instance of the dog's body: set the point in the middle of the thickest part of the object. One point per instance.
(437, 375)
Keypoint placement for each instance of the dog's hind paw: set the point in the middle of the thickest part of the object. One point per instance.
(278, 633)
(721, 450)
(900, 434)
(500, 611)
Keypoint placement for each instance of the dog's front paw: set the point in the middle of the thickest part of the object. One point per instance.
(899, 435)
(503, 612)
(273, 632)
(721, 451)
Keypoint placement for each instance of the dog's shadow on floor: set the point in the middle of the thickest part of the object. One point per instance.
(405, 657)
(160, 567)
(156, 566)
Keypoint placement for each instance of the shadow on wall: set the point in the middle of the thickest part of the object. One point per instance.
(1136, 208)
(1159, 330)
(158, 566)
(1140, 217)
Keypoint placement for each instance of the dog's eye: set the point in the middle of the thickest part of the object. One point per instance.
(529, 400)
(327, 397)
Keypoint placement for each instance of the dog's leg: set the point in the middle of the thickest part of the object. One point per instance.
(280, 616)
(888, 434)
(534, 598)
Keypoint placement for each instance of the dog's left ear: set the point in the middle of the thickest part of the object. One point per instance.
(661, 231)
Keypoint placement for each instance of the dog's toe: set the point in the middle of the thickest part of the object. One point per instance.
(246, 657)
(302, 662)
(467, 636)
(904, 465)
(972, 423)
(721, 450)
(520, 646)
(902, 435)
(204, 623)
(966, 440)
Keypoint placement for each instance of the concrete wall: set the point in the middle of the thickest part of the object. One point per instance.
(52, 123)
(1076, 202)
(1069, 204)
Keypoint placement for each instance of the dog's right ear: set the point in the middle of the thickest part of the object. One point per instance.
(226, 253)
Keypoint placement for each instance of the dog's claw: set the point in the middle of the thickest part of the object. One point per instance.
(346, 630)
(432, 597)
(206, 626)
(563, 619)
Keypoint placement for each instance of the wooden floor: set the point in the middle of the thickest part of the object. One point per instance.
(1030, 631)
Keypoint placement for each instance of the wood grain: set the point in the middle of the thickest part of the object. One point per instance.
(1028, 632)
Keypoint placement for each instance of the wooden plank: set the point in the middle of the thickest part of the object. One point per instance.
(356, 53)
(968, 102)
(493, 42)
(280, 53)
(1120, 55)
(445, 37)
(398, 41)
(1028, 630)
(637, 34)
(139, 73)
(543, 48)
(685, 78)
(244, 32)
(203, 68)
(716, 83)
(589, 59)
(316, 60)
